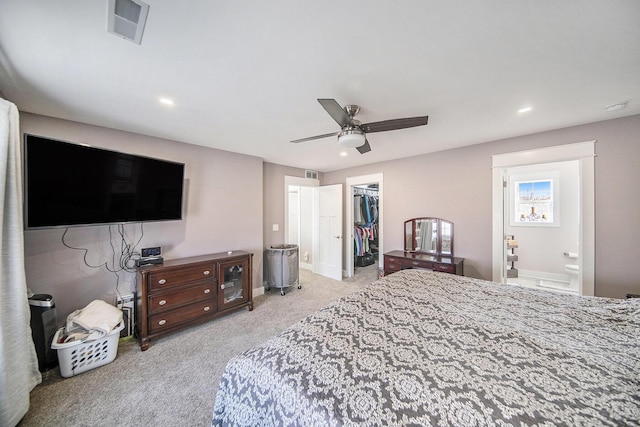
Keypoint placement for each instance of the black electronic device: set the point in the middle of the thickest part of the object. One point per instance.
(155, 251)
(149, 260)
(44, 325)
(69, 184)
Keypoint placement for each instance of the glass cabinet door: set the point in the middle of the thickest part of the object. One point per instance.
(234, 283)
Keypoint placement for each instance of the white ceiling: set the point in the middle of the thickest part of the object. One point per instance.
(245, 75)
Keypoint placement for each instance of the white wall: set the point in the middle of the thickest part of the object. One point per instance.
(293, 234)
(300, 225)
(541, 248)
(306, 225)
(223, 211)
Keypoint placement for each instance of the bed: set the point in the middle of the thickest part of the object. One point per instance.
(425, 348)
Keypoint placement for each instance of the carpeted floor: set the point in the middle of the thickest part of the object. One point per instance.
(174, 382)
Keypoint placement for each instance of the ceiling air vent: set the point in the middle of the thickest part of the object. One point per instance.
(127, 19)
(311, 174)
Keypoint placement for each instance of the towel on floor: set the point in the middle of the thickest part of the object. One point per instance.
(96, 320)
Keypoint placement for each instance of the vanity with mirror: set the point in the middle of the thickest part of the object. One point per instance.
(428, 244)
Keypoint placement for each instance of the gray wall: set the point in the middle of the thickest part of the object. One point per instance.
(223, 212)
(456, 185)
(226, 210)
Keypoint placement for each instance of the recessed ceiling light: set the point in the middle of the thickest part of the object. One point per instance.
(616, 107)
(344, 154)
(166, 101)
(524, 110)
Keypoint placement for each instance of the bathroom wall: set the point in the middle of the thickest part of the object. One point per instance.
(306, 227)
(300, 227)
(541, 248)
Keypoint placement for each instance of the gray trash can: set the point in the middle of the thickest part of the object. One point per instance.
(282, 267)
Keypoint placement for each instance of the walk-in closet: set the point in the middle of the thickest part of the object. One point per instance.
(365, 224)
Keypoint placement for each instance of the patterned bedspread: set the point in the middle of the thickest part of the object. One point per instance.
(422, 348)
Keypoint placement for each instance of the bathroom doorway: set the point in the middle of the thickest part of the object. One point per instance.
(543, 218)
(313, 221)
(298, 221)
(542, 222)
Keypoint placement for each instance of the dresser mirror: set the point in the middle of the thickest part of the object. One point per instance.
(429, 235)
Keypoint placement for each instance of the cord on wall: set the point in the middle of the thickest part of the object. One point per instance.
(122, 258)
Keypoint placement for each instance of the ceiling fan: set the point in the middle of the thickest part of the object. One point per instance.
(352, 132)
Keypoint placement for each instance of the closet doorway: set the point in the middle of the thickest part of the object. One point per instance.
(361, 226)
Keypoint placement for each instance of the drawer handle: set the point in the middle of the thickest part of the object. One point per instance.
(207, 272)
(162, 322)
(162, 302)
(162, 281)
(206, 291)
(207, 308)
(222, 286)
(415, 263)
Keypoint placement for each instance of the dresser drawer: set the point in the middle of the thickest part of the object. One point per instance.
(447, 268)
(392, 264)
(416, 264)
(167, 320)
(171, 277)
(170, 300)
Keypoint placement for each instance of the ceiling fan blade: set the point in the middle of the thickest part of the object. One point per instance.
(364, 148)
(295, 141)
(394, 124)
(335, 111)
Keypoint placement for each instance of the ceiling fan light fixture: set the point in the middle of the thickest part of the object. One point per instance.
(351, 138)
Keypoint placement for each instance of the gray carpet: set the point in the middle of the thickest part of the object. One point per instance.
(174, 382)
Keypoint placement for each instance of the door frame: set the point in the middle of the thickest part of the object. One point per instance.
(584, 152)
(348, 244)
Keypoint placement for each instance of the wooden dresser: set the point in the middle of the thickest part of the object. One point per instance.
(186, 291)
(400, 260)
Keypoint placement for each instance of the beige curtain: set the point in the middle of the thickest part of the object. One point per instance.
(18, 361)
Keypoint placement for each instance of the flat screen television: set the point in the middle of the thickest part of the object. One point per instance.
(69, 184)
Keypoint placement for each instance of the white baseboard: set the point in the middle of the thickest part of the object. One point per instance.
(545, 280)
(543, 275)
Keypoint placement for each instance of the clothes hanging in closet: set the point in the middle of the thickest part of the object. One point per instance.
(363, 236)
(365, 209)
(365, 218)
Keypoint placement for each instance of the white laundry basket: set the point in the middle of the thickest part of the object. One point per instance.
(76, 357)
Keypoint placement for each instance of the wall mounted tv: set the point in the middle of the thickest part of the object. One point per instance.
(70, 184)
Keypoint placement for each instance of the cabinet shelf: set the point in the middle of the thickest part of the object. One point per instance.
(512, 244)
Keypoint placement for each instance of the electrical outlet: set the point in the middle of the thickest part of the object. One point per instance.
(124, 301)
